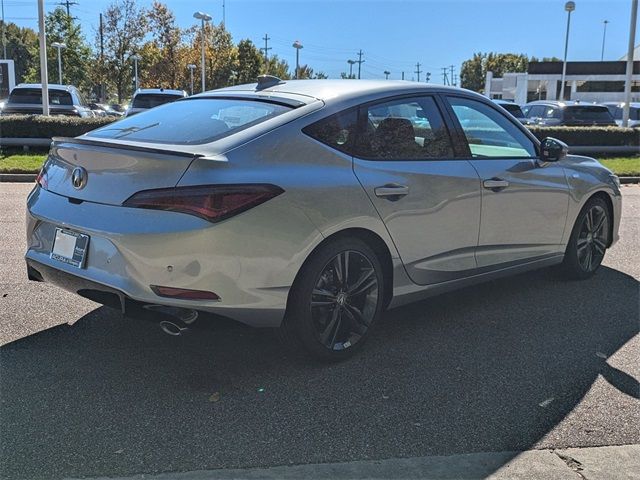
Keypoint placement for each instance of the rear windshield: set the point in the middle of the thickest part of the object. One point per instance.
(34, 96)
(192, 122)
(634, 113)
(587, 113)
(513, 109)
(150, 100)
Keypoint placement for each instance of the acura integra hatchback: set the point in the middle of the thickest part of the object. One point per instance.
(311, 206)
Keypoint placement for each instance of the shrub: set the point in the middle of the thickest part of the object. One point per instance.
(40, 126)
(590, 136)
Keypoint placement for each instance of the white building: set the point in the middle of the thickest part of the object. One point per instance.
(585, 81)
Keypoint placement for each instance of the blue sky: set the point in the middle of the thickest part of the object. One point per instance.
(394, 34)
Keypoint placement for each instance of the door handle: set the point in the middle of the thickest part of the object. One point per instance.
(391, 191)
(495, 184)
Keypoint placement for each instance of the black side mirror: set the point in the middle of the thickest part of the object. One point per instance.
(553, 150)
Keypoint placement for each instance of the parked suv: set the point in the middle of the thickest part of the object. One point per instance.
(26, 98)
(146, 98)
(616, 110)
(552, 113)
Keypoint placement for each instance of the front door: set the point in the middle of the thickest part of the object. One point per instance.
(428, 200)
(524, 201)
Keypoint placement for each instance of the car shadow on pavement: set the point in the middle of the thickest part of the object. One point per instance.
(493, 367)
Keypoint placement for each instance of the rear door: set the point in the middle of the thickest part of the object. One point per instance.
(524, 201)
(428, 199)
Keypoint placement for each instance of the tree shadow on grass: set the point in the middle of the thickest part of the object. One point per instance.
(489, 368)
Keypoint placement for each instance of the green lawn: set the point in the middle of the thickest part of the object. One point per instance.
(11, 162)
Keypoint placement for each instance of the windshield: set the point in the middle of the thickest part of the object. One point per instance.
(192, 122)
(150, 100)
(34, 96)
(585, 113)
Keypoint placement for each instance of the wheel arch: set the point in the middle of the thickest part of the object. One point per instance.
(607, 200)
(375, 242)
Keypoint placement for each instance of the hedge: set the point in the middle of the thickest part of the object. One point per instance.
(40, 126)
(590, 136)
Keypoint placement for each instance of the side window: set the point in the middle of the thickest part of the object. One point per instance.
(404, 129)
(337, 131)
(536, 111)
(489, 133)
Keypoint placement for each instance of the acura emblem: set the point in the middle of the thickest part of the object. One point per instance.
(79, 178)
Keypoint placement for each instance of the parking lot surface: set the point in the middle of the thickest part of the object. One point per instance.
(522, 363)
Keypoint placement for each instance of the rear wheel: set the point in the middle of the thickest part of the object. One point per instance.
(589, 240)
(335, 301)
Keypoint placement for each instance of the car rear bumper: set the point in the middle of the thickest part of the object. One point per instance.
(132, 249)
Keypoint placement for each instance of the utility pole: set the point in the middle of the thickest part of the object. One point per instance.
(428, 76)
(604, 36)
(224, 15)
(386, 74)
(4, 41)
(417, 72)
(445, 80)
(455, 80)
(359, 62)
(68, 4)
(627, 82)
(266, 48)
(451, 82)
(102, 92)
(402, 75)
(44, 78)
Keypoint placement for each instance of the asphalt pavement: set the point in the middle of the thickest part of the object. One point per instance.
(528, 362)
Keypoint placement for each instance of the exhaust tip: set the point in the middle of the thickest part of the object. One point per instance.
(171, 328)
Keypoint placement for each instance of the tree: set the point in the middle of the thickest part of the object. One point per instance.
(22, 47)
(250, 62)
(160, 55)
(125, 26)
(278, 68)
(474, 70)
(76, 57)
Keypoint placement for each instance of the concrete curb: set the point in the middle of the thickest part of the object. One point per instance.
(594, 463)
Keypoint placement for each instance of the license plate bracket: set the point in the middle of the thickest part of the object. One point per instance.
(70, 247)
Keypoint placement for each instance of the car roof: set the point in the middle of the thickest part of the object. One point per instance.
(51, 86)
(308, 91)
(621, 104)
(160, 91)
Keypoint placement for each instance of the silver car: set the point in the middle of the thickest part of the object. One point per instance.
(311, 206)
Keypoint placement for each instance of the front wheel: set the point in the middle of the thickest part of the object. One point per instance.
(589, 240)
(335, 301)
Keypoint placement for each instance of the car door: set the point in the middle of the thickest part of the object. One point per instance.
(524, 200)
(428, 199)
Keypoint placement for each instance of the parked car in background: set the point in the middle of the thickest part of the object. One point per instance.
(513, 108)
(570, 114)
(104, 110)
(311, 206)
(616, 110)
(146, 98)
(26, 98)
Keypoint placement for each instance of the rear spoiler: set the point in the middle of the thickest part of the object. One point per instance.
(121, 146)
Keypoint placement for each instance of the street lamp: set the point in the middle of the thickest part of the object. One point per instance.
(191, 68)
(351, 64)
(386, 74)
(569, 7)
(604, 36)
(297, 45)
(59, 46)
(204, 17)
(135, 58)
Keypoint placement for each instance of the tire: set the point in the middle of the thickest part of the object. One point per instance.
(329, 316)
(589, 240)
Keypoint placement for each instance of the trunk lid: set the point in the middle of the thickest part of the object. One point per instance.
(111, 172)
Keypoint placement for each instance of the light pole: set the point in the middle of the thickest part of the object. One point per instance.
(386, 74)
(569, 7)
(191, 68)
(44, 77)
(204, 17)
(135, 58)
(59, 46)
(604, 36)
(629, 73)
(297, 45)
(351, 64)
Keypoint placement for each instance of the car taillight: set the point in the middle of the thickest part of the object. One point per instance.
(41, 179)
(210, 202)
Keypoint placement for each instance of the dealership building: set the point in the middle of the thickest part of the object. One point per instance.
(584, 81)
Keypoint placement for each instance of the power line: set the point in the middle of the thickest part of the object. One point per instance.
(67, 4)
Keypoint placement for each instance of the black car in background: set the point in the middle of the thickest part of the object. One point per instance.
(570, 114)
(26, 98)
(511, 107)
